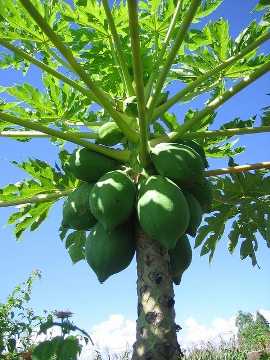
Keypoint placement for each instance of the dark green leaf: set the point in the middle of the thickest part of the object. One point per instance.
(70, 349)
(47, 349)
(75, 243)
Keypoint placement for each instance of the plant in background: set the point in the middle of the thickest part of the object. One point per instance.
(64, 346)
(253, 331)
(146, 166)
(21, 330)
(18, 322)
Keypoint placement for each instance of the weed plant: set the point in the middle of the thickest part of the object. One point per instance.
(224, 351)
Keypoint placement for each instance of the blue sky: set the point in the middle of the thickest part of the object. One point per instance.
(207, 292)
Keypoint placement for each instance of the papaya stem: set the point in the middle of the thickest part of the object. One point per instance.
(119, 51)
(37, 199)
(211, 107)
(144, 154)
(218, 69)
(171, 56)
(117, 154)
(129, 133)
(238, 168)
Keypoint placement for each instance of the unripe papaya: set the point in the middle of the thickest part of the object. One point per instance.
(180, 258)
(112, 199)
(109, 134)
(162, 210)
(195, 146)
(179, 163)
(162, 98)
(76, 210)
(204, 195)
(195, 212)
(88, 165)
(130, 107)
(108, 253)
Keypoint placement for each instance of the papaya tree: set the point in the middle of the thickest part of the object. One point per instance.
(137, 182)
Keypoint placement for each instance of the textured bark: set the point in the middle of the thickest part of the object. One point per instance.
(156, 337)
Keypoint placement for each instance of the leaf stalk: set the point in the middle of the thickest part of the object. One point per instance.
(37, 199)
(171, 56)
(165, 45)
(121, 58)
(238, 168)
(218, 69)
(210, 108)
(130, 134)
(117, 154)
(138, 77)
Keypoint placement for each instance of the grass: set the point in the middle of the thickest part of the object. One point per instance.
(231, 350)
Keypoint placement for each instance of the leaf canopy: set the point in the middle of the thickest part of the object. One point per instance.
(91, 56)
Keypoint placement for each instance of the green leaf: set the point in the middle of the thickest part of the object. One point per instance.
(262, 5)
(75, 243)
(225, 150)
(48, 181)
(212, 232)
(70, 349)
(265, 118)
(245, 199)
(47, 349)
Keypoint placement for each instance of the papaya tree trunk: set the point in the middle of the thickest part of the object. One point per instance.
(156, 337)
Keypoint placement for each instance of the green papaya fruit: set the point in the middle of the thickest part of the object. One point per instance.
(88, 165)
(76, 210)
(180, 258)
(162, 210)
(179, 163)
(204, 195)
(108, 253)
(130, 107)
(162, 98)
(195, 212)
(195, 146)
(109, 134)
(112, 199)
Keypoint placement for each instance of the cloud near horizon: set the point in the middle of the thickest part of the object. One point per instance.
(116, 335)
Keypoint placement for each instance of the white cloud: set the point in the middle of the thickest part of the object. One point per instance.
(195, 333)
(265, 313)
(113, 336)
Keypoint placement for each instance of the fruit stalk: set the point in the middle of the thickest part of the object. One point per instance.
(156, 328)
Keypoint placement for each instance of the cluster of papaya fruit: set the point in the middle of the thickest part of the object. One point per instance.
(104, 204)
(169, 205)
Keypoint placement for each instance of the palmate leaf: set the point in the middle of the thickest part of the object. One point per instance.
(265, 118)
(244, 199)
(29, 217)
(46, 181)
(56, 105)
